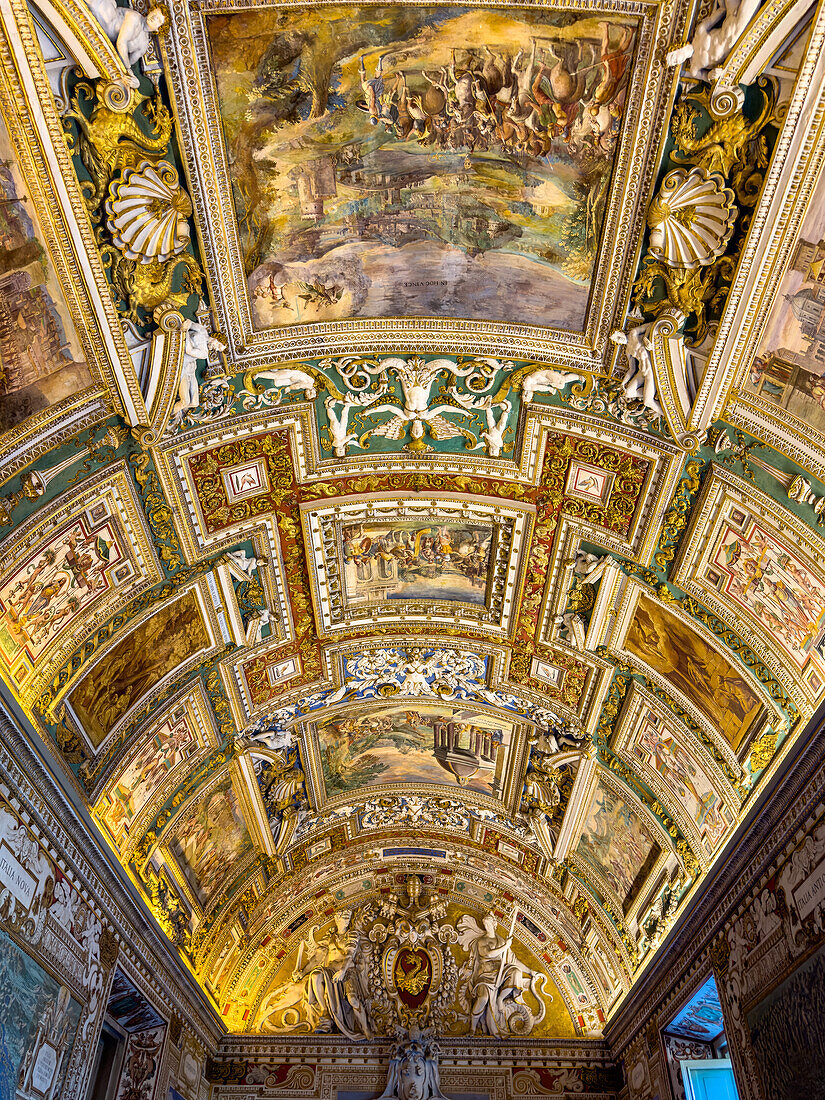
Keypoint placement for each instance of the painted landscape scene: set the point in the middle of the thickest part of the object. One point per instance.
(420, 161)
(414, 742)
(413, 560)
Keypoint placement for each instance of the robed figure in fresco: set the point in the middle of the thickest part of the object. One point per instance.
(492, 981)
(326, 990)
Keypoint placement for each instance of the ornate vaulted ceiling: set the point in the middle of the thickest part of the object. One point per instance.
(413, 438)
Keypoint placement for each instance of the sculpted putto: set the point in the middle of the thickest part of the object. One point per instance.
(714, 38)
(128, 30)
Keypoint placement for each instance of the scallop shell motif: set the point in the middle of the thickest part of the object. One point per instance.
(691, 219)
(147, 213)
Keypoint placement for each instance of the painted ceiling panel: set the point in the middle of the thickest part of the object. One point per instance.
(413, 480)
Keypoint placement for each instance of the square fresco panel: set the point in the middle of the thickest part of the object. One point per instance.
(415, 743)
(211, 841)
(137, 663)
(145, 772)
(686, 780)
(415, 560)
(691, 665)
(420, 161)
(763, 576)
(41, 360)
(618, 844)
(789, 365)
(38, 1023)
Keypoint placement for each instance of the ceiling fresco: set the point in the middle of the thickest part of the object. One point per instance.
(413, 451)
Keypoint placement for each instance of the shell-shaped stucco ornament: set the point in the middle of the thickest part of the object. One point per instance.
(691, 218)
(147, 213)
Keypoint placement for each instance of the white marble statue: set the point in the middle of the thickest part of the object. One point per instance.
(547, 380)
(639, 381)
(197, 345)
(714, 38)
(413, 1072)
(326, 990)
(492, 980)
(128, 30)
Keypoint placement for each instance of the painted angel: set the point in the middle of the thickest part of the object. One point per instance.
(327, 989)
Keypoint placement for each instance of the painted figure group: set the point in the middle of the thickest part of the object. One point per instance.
(425, 553)
(561, 91)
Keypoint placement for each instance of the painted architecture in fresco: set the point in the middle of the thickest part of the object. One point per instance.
(695, 668)
(41, 361)
(414, 742)
(790, 363)
(137, 664)
(617, 843)
(211, 840)
(403, 160)
(411, 560)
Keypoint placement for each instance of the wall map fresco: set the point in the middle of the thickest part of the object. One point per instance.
(411, 560)
(691, 665)
(414, 742)
(420, 160)
(41, 360)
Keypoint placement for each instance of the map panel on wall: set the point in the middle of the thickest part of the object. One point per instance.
(137, 663)
(404, 160)
(790, 362)
(414, 743)
(211, 840)
(38, 1023)
(618, 843)
(692, 666)
(416, 560)
(41, 360)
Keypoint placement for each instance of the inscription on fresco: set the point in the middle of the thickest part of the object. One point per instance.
(15, 877)
(810, 893)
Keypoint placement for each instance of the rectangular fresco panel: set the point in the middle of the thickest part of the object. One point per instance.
(137, 663)
(41, 360)
(172, 743)
(414, 743)
(38, 1023)
(685, 778)
(415, 560)
(50, 589)
(412, 161)
(617, 843)
(790, 363)
(769, 582)
(691, 665)
(211, 840)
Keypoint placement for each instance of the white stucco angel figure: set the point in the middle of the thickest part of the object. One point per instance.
(243, 562)
(639, 381)
(714, 38)
(492, 980)
(546, 381)
(493, 437)
(291, 380)
(128, 30)
(197, 345)
(327, 989)
(339, 423)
